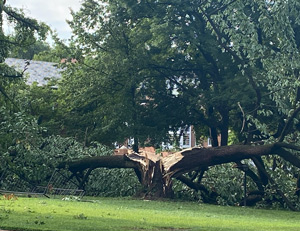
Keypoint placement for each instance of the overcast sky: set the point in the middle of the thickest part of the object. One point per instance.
(52, 12)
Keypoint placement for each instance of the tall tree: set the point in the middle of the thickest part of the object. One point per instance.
(116, 70)
(169, 58)
(224, 65)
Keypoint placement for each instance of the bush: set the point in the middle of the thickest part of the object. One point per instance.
(28, 159)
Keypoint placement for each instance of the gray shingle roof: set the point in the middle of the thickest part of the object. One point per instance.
(37, 71)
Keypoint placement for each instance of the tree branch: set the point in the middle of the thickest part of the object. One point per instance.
(220, 36)
(191, 184)
(222, 7)
(260, 164)
(275, 186)
(288, 124)
(20, 18)
(294, 160)
(252, 175)
(288, 146)
(116, 161)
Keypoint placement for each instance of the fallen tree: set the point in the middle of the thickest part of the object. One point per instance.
(156, 174)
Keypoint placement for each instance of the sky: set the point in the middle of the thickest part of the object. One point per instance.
(53, 12)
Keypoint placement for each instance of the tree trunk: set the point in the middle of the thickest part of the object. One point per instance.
(156, 173)
(214, 137)
(224, 128)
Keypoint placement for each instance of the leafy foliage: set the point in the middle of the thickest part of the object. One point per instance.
(166, 65)
(142, 68)
(224, 182)
(113, 183)
(147, 67)
(25, 33)
(30, 51)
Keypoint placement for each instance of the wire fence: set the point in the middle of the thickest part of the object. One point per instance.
(59, 184)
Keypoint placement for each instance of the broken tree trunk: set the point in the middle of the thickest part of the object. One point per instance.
(156, 173)
(193, 158)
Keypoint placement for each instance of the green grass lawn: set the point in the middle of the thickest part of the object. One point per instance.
(128, 214)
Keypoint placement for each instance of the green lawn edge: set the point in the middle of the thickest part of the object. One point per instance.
(132, 214)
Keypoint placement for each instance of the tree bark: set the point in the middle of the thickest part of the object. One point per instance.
(99, 162)
(193, 158)
(156, 174)
(224, 127)
(214, 137)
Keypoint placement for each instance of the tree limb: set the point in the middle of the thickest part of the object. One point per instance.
(31, 23)
(221, 8)
(116, 161)
(220, 36)
(285, 199)
(260, 164)
(288, 157)
(252, 175)
(288, 124)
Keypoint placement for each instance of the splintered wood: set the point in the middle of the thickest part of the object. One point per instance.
(170, 160)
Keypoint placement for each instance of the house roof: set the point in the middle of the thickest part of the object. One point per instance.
(37, 71)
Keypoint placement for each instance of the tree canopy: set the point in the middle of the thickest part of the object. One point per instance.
(218, 65)
(139, 69)
(147, 67)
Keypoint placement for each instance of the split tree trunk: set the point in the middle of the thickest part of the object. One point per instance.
(156, 174)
